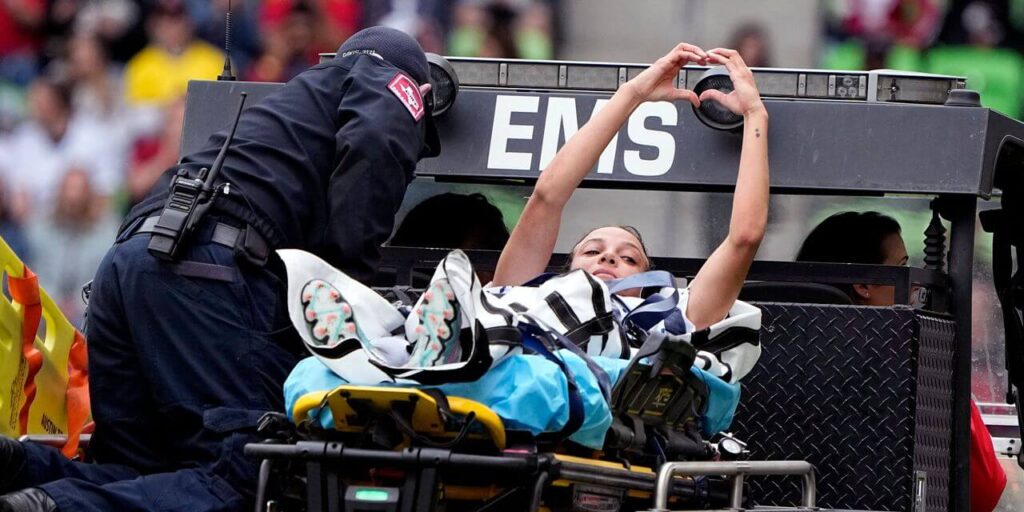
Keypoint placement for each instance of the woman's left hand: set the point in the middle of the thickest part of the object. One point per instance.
(657, 83)
(744, 99)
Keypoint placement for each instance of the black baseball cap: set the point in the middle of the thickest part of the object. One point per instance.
(402, 51)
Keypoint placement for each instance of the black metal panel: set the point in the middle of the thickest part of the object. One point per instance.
(403, 260)
(934, 402)
(492, 133)
(838, 386)
(210, 106)
(923, 149)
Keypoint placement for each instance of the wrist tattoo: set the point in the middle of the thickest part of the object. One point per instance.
(757, 132)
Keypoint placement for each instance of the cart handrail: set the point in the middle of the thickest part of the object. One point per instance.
(738, 470)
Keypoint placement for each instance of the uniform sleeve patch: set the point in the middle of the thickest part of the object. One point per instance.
(408, 93)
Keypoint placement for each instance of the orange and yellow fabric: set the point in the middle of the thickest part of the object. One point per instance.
(43, 380)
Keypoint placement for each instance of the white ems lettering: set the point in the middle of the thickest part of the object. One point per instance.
(561, 117)
(498, 156)
(663, 142)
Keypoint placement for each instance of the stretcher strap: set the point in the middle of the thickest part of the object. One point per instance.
(655, 308)
(533, 340)
(25, 291)
(77, 397)
(558, 339)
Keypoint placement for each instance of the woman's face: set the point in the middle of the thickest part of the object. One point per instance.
(610, 253)
(895, 253)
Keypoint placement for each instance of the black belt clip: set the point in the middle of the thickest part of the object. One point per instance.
(252, 247)
(246, 242)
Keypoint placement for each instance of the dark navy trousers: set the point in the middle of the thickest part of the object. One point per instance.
(182, 363)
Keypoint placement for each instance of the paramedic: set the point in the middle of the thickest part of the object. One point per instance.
(183, 354)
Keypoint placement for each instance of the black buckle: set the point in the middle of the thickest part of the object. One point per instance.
(252, 247)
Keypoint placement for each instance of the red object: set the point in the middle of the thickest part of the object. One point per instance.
(408, 93)
(15, 37)
(77, 394)
(25, 291)
(987, 477)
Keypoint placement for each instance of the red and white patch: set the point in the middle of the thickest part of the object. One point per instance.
(409, 94)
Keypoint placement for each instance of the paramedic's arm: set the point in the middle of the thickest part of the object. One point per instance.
(378, 145)
(532, 241)
(718, 283)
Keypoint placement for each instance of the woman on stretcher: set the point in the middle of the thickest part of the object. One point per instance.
(456, 337)
(613, 252)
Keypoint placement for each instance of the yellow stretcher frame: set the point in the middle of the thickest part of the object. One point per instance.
(426, 420)
(43, 380)
(425, 417)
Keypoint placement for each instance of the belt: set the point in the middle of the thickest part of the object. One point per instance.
(223, 234)
(246, 242)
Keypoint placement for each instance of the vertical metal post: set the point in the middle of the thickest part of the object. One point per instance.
(736, 496)
(961, 212)
(314, 487)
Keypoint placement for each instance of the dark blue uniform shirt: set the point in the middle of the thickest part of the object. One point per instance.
(321, 164)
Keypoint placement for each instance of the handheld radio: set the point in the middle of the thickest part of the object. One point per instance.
(188, 201)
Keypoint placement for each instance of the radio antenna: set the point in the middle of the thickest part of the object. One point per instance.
(227, 74)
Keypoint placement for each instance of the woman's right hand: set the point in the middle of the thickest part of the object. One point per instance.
(657, 83)
(744, 99)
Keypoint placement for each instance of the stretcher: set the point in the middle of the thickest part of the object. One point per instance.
(414, 450)
(42, 361)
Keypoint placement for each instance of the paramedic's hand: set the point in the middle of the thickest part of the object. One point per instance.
(744, 99)
(657, 83)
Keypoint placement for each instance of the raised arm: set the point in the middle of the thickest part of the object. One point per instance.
(529, 247)
(717, 284)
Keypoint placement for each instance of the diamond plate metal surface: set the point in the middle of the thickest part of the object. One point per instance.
(933, 437)
(837, 386)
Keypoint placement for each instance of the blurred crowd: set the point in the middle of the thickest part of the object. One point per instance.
(982, 40)
(91, 91)
(92, 96)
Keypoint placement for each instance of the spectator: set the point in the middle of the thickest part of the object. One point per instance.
(151, 156)
(289, 44)
(68, 240)
(986, 23)
(98, 96)
(209, 17)
(117, 24)
(426, 20)
(339, 19)
(502, 29)
(879, 33)
(99, 86)
(19, 22)
(53, 140)
(499, 33)
(752, 43)
(161, 71)
(997, 73)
